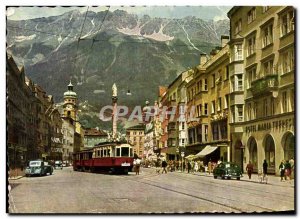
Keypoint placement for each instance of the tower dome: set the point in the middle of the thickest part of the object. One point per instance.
(70, 92)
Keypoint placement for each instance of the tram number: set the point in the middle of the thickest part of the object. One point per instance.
(125, 164)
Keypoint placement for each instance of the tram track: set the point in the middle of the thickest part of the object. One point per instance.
(166, 187)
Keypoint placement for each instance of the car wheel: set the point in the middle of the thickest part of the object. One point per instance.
(215, 177)
(50, 173)
(238, 178)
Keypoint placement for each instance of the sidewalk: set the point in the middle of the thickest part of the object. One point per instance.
(16, 174)
(272, 179)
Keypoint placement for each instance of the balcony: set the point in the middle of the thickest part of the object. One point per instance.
(266, 84)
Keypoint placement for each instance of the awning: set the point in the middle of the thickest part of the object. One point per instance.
(190, 157)
(207, 150)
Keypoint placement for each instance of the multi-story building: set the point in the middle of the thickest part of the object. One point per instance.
(262, 80)
(56, 135)
(135, 135)
(163, 118)
(93, 136)
(149, 141)
(208, 93)
(18, 117)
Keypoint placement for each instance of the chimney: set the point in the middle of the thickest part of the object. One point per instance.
(224, 40)
(213, 52)
(203, 58)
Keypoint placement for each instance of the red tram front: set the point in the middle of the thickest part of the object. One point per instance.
(114, 157)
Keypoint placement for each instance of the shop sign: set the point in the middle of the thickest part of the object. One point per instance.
(279, 124)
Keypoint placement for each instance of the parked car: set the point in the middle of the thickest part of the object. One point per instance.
(38, 167)
(58, 164)
(228, 170)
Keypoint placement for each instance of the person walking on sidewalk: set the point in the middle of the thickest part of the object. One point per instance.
(287, 168)
(249, 169)
(265, 169)
(281, 169)
(209, 165)
(164, 166)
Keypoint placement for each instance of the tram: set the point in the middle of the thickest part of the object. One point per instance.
(113, 157)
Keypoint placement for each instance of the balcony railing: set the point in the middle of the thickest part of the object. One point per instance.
(265, 84)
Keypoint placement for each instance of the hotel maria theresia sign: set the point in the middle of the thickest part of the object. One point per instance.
(273, 125)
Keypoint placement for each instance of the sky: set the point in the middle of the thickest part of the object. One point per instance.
(203, 12)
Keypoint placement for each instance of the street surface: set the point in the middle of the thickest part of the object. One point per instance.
(67, 191)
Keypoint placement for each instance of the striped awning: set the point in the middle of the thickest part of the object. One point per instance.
(207, 150)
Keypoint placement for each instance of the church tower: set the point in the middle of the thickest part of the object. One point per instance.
(70, 103)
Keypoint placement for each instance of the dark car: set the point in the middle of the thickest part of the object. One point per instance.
(58, 164)
(228, 170)
(38, 167)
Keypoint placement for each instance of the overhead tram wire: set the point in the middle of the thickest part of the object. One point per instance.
(78, 40)
(94, 38)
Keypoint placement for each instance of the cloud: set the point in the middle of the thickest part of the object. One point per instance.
(10, 11)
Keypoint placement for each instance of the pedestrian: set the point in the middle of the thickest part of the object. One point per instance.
(137, 163)
(265, 169)
(196, 167)
(281, 169)
(157, 166)
(209, 165)
(249, 169)
(205, 169)
(188, 166)
(287, 168)
(292, 162)
(164, 165)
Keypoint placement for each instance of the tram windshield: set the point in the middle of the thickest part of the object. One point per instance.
(125, 152)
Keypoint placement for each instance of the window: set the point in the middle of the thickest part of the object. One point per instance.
(213, 80)
(199, 110)
(213, 107)
(251, 15)
(251, 46)
(215, 129)
(238, 26)
(182, 141)
(267, 33)
(249, 110)
(227, 72)
(205, 108)
(226, 104)
(219, 103)
(205, 132)
(238, 52)
(272, 106)
(240, 113)
(182, 126)
(265, 8)
(251, 76)
(287, 61)
(223, 129)
(268, 68)
(265, 107)
(205, 84)
(287, 22)
(239, 82)
(255, 110)
(284, 102)
(199, 85)
(292, 99)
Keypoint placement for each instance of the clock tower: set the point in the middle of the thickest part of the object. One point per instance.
(70, 103)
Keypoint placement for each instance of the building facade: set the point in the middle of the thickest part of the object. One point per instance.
(93, 136)
(135, 136)
(262, 69)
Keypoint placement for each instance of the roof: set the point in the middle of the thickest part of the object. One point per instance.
(136, 127)
(70, 93)
(94, 132)
(162, 90)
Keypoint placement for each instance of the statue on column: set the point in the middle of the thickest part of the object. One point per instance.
(114, 90)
